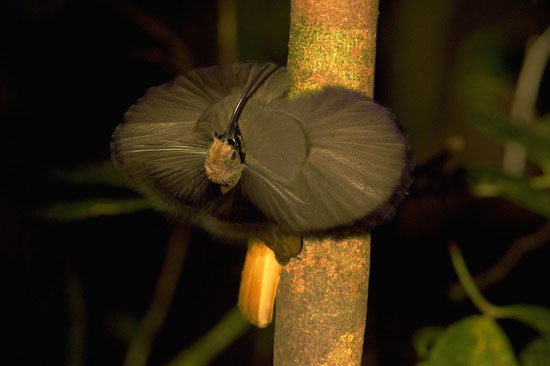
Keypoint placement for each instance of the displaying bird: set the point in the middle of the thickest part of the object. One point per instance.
(223, 148)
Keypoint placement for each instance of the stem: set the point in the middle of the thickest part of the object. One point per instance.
(229, 328)
(498, 271)
(469, 285)
(525, 97)
(322, 298)
(77, 323)
(152, 322)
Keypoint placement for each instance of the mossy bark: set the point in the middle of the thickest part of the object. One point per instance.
(332, 42)
(322, 298)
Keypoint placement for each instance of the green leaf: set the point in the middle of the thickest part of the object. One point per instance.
(537, 317)
(480, 76)
(424, 338)
(488, 181)
(472, 341)
(536, 353)
(81, 210)
(101, 173)
(534, 136)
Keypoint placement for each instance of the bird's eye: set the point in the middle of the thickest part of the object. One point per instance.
(234, 155)
(231, 142)
(215, 134)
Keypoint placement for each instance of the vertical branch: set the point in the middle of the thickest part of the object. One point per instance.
(322, 303)
(332, 42)
(322, 296)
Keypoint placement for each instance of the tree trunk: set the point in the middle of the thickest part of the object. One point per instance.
(322, 297)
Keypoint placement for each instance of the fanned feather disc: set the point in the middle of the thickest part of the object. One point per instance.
(326, 161)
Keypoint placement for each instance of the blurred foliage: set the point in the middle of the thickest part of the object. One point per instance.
(418, 70)
(263, 28)
(94, 207)
(481, 76)
(211, 344)
(529, 191)
(484, 88)
(102, 173)
(537, 353)
(533, 316)
(424, 338)
(472, 341)
(229, 328)
(491, 182)
(478, 339)
(443, 67)
(534, 136)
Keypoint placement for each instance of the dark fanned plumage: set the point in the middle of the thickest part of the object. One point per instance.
(330, 161)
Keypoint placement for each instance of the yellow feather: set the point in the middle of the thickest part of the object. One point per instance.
(259, 281)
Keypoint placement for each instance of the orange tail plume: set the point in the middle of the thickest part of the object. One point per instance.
(259, 281)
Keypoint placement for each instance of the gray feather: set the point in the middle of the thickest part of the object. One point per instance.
(355, 158)
(327, 160)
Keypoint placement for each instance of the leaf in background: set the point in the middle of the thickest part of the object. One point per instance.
(424, 338)
(86, 209)
(537, 317)
(488, 182)
(480, 76)
(101, 173)
(534, 137)
(536, 353)
(472, 341)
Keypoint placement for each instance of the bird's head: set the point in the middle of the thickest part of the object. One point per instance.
(224, 162)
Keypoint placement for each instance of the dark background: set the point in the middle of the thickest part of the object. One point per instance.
(70, 69)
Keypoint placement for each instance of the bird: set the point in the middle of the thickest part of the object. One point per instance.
(224, 148)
